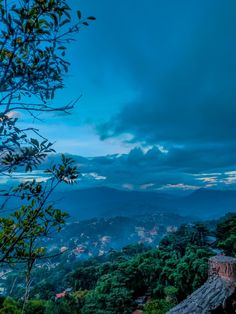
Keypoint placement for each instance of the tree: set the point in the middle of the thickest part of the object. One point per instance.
(157, 307)
(33, 45)
(199, 234)
(10, 306)
(191, 270)
(32, 66)
(226, 234)
(119, 301)
(36, 306)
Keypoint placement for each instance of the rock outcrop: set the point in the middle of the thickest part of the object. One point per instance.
(218, 294)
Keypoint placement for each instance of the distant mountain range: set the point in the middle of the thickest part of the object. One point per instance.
(108, 202)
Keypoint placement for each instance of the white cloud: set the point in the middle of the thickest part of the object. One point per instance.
(128, 186)
(179, 186)
(146, 186)
(208, 179)
(94, 176)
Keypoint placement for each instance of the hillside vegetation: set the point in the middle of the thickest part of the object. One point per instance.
(134, 277)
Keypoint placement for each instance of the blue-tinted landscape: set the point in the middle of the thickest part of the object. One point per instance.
(117, 157)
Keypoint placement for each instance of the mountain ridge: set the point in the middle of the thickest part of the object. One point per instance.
(106, 202)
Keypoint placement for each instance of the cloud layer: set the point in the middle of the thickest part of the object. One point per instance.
(160, 74)
(155, 169)
(178, 169)
(185, 73)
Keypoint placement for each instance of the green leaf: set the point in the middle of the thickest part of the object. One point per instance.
(79, 14)
(34, 142)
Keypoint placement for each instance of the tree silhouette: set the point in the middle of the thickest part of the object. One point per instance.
(33, 44)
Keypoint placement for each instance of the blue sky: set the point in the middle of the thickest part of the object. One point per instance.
(160, 75)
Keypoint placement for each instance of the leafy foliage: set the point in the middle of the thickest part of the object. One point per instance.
(34, 34)
(166, 275)
(157, 307)
(33, 45)
(226, 234)
(34, 38)
(10, 306)
(21, 230)
(115, 283)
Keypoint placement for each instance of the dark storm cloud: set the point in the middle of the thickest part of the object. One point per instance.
(187, 95)
(163, 72)
(181, 168)
(185, 73)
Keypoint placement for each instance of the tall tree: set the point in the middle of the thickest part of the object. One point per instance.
(33, 44)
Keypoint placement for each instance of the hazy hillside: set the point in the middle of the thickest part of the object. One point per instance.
(97, 236)
(107, 202)
(208, 203)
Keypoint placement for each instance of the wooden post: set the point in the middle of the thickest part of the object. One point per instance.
(224, 267)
